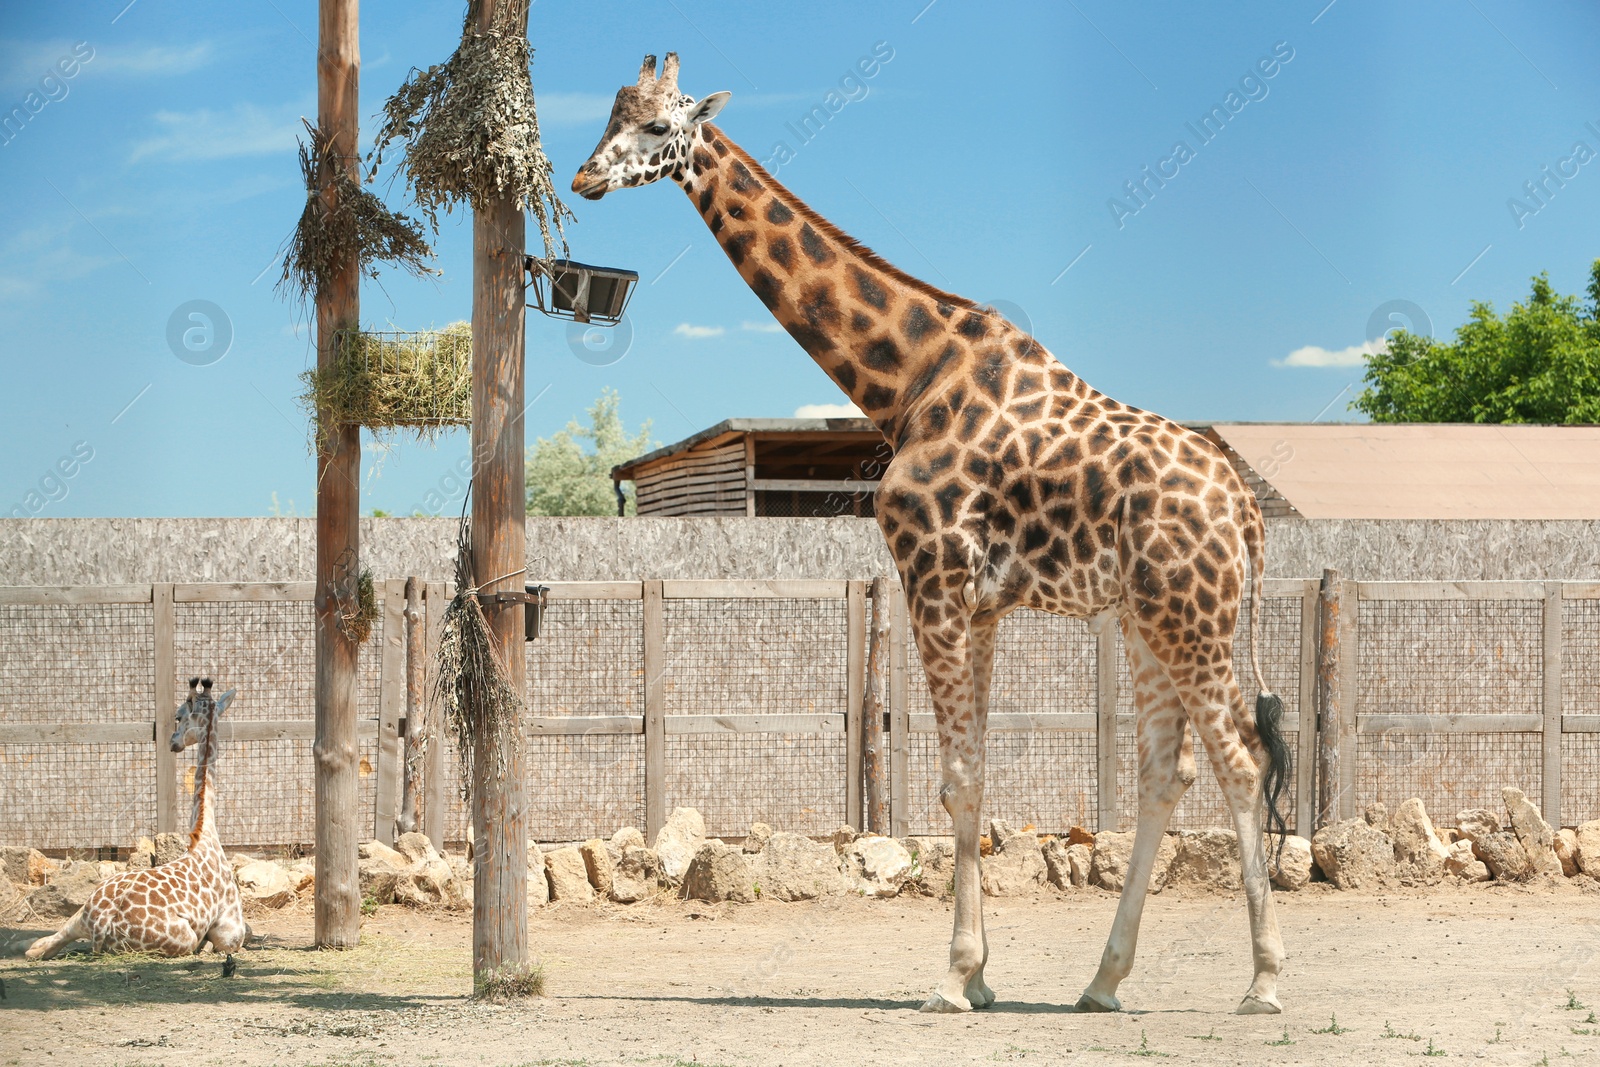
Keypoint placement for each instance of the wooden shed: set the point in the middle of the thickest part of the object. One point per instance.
(782, 467)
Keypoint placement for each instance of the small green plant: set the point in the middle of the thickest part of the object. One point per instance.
(1283, 1041)
(1212, 1036)
(1585, 1031)
(1144, 1048)
(1333, 1027)
(1591, 1018)
(757, 888)
(1573, 1003)
(1544, 1061)
(1432, 1050)
(369, 906)
(1498, 1037)
(1389, 1031)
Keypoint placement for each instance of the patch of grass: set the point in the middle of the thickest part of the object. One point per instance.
(1389, 1031)
(1013, 1052)
(369, 905)
(1498, 1037)
(1212, 1036)
(510, 983)
(1144, 1048)
(1433, 1050)
(1333, 1027)
(1585, 1031)
(1573, 1004)
(1283, 1041)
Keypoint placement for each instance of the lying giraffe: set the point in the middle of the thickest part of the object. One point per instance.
(1014, 484)
(176, 908)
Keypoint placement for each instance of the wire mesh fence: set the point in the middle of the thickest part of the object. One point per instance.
(743, 701)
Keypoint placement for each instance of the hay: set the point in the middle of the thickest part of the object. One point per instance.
(359, 227)
(419, 381)
(468, 130)
(356, 624)
(483, 709)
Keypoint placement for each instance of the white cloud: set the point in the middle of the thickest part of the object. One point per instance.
(559, 109)
(151, 59)
(684, 329)
(828, 411)
(43, 254)
(1317, 356)
(242, 130)
(761, 327)
(25, 62)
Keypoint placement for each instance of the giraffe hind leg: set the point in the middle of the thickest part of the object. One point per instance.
(77, 928)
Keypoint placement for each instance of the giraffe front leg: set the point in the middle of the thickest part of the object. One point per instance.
(963, 987)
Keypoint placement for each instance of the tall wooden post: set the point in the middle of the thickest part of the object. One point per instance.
(1330, 698)
(873, 756)
(499, 814)
(417, 732)
(338, 893)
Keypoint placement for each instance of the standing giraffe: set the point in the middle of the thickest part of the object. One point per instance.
(1013, 484)
(173, 909)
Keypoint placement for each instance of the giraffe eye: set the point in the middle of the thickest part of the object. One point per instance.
(657, 129)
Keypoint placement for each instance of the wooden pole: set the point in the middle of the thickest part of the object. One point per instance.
(1330, 700)
(1105, 710)
(1551, 749)
(433, 802)
(338, 892)
(855, 666)
(875, 766)
(416, 710)
(499, 557)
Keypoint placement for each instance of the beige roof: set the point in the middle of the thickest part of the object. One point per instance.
(1426, 471)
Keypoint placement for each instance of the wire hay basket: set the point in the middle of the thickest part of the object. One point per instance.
(419, 381)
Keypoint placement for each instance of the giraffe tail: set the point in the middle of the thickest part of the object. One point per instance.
(1269, 706)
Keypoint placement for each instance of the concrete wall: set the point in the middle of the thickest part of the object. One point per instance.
(112, 551)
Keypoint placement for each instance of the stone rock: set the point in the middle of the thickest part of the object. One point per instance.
(13, 902)
(934, 860)
(1566, 849)
(1057, 869)
(1108, 862)
(1017, 864)
(429, 881)
(758, 836)
(1292, 869)
(379, 868)
(1417, 848)
(302, 875)
(264, 882)
(794, 867)
(538, 878)
(1538, 840)
(1353, 855)
(1377, 816)
(719, 872)
(142, 855)
(1463, 864)
(597, 861)
(569, 875)
(877, 866)
(842, 837)
(1504, 855)
(1077, 835)
(415, 847)
(169, 847)
(679, 841)
(67, 890)
(25, 866)
(1080, 860)
(1204, 857)
(1476, 822)
(637, 876)
(626, 838)
(1587, 853)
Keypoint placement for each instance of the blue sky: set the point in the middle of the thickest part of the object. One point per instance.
(1371, 171)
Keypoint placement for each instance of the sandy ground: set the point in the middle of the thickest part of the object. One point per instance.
(1487, 973)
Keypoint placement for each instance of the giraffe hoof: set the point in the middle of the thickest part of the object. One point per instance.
(942, 1005)
(978, 994)
(1091, 1003)
(1254, 1004)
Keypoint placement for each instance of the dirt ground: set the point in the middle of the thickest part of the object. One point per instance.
(1494, 973)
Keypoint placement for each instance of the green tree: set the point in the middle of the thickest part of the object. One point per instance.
(1540, 363)
(566, 478)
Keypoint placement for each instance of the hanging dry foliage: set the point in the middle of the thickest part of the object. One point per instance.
(419, 381)
(481, 706)
(468, 130)
(358, 226)
(356, 624)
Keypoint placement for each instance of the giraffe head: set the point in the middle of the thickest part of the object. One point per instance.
(649, 134)
(196, 714)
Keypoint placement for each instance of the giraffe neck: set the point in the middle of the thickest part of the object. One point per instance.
(888, 340)
(205, 785)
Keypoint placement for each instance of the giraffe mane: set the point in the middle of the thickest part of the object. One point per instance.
(850, 244)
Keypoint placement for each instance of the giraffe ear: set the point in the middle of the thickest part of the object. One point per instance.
(707, 109)
(224, 700)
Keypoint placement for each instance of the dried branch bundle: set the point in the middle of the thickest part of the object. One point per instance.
(469, 132)
(357, 225)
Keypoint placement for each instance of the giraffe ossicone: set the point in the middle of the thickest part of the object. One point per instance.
(1013, 484)
(178, 908)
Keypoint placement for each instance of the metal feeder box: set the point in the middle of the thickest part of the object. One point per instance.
(567, 289)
